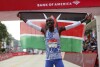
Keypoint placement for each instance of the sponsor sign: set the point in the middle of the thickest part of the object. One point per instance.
(12, 5)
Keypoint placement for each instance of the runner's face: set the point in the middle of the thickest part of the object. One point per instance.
(50, 22)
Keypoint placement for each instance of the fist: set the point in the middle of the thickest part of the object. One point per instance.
(18, 15)
(88, 17)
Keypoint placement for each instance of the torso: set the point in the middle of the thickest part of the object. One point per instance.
(52, 41)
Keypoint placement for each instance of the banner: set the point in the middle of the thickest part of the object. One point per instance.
(12, 5)
(98, 35)
(81, 59)
(19, 53)
(5, 56)
(10, 55)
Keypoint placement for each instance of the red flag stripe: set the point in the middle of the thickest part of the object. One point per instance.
(77, 31)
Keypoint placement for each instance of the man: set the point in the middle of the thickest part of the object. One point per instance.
(52, 39)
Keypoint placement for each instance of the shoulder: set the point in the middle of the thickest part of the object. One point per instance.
(43, 30)
(60, 29)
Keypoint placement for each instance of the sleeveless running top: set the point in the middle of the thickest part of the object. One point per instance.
(52, 42)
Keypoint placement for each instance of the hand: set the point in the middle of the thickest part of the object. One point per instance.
(18, 15)
(21, 17)
(88, 17)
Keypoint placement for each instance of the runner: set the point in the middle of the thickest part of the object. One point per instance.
(52, 39)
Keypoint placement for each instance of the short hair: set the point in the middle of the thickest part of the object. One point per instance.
(49, 18)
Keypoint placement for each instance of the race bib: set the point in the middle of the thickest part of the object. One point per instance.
(52, 43)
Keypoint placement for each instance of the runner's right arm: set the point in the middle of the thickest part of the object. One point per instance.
(29, 22)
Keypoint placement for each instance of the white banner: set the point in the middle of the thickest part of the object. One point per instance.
(98, 35)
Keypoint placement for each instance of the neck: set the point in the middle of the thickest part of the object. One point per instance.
(51, 29)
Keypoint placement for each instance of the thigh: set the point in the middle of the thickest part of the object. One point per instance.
(48, 63)
(59, 63)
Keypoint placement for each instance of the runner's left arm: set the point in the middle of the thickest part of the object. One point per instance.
(77, 23)
(63, 28)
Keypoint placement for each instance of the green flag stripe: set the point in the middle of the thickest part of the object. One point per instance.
(67, 44)
(75, 37)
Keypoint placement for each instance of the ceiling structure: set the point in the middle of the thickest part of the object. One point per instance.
(12, 15)
(10, 8)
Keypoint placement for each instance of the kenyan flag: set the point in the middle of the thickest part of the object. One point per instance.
(71, 40)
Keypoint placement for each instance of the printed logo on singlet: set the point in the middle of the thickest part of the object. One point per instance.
(52, 43)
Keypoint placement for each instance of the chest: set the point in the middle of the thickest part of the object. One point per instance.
(50, 35)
